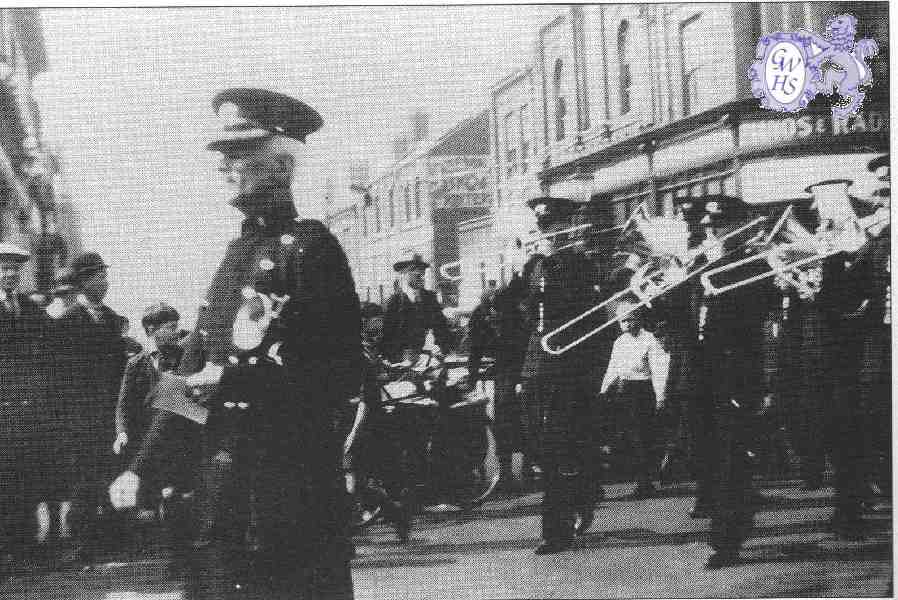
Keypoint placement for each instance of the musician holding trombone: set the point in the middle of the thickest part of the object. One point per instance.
(558, 388)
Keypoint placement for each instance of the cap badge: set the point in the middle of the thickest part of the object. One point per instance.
(266, 264)
(287, 239)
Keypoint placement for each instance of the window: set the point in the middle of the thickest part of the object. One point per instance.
(624, 55)
(417, 197)
(560, 103)
(511, 159)
(392, 209)
(690, 53)
(408, 204)
(365, 219)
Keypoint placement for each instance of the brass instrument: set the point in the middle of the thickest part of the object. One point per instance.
(535, 239)
(444, 270)
(671, 264)
(791, 251)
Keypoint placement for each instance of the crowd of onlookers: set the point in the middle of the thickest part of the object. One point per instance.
(74, 406)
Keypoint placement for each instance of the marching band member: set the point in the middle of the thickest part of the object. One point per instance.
(558, 388)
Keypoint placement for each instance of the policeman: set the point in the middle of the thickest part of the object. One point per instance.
(411, 312)
(558, 388)
(283, 343)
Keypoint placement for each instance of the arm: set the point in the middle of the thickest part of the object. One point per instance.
(659, 365)
(125, 408)
(613, 371)
(475, 334)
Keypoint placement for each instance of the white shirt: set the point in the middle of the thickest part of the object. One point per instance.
(638, 357)
(10, 302)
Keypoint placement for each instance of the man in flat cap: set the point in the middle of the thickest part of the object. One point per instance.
(90, 362)
(411, 313)
(283, 345)
(557, 387)
(23, 379)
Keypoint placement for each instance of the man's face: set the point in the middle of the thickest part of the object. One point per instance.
(629, 324)
(246, 173)
(166, 334)
(414, 278)
(10, 275)
(96, 286)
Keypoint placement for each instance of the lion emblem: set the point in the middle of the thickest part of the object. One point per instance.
(846, 61)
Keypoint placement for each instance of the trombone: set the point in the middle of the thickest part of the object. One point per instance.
(813, 248)
(647, 284)
(535, 239)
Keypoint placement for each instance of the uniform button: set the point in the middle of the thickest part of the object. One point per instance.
(248, 292)
(242, 405)
(253, 360)
(266, 264)
(229, 405)
(233, 359)
(203, 332)
(204, 303)
(197, 393)
(287, 239)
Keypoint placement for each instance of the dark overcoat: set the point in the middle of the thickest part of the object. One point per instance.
(89, 365)
(282, 441)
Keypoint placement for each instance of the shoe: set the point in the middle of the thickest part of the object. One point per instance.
(553, 547)
(584, 521)
(719, 560)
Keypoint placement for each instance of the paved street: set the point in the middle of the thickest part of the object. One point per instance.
(647, 548)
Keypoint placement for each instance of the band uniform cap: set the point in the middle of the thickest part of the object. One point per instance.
(255, 114)
(415, 262)
(718, 207)
(86, 264)
(13, 253)
(552, 206)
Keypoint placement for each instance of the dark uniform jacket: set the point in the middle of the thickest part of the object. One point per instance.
(567, 278)
(289, 409)
(406, 324)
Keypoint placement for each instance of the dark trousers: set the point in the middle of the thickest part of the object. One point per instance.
(875, 397)
(564, 438)
(509, 413)
(635, 402)
(730, 481)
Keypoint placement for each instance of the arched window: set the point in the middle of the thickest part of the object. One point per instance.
(560, 102)
(624, 55)
(408, 204)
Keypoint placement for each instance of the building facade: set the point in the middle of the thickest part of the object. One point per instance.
(652, 103)
(415, 206)
(31, 215)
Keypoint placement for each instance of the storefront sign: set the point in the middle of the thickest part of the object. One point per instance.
(807, 128)
(459, 181)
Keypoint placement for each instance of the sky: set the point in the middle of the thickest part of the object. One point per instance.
(126, 105)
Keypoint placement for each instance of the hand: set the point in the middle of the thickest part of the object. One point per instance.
(120, 442)
(437, 353)
(123, 491)
(768, 402)
(518, 389)
(208, 377)
(660, 404)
